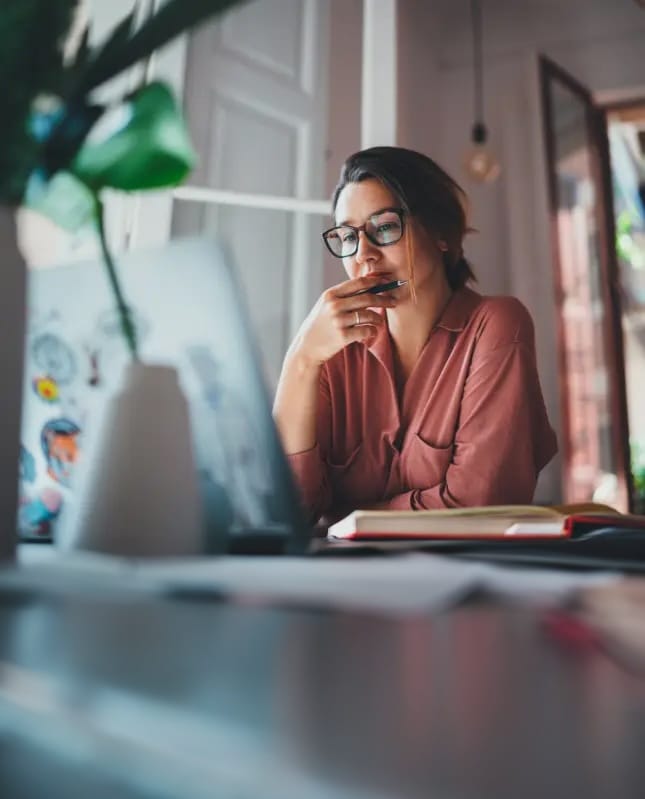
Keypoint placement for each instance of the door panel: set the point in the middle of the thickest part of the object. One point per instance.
(595, 463)
(256, 89)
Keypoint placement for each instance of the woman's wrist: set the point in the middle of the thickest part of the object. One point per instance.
(301, 363)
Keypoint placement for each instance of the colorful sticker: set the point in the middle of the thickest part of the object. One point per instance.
(46, 388)
(27, 469)
(36, 514)
(59, 439)
(54, 358)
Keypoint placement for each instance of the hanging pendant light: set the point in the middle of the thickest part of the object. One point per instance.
(480, 163)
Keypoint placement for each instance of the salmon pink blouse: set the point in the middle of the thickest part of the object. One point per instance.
(470, 427)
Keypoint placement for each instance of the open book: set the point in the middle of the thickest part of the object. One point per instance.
(491, 522)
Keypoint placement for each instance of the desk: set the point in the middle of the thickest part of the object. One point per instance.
(133, 696)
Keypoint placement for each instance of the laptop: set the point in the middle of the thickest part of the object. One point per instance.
(189, 313)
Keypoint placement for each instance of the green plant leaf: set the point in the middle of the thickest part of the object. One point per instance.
(141, 144)
(117, 39)
(64, 199)
(82, 54)
(172, 19)
(67, 136)
(32, 33)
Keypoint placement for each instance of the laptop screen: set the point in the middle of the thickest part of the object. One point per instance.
(189, 313)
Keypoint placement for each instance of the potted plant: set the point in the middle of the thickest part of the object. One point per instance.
(58, 152)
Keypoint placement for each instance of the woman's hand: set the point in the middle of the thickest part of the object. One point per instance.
(338, 319)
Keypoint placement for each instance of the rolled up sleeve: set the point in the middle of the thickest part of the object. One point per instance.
(309, 466)
(310, 474)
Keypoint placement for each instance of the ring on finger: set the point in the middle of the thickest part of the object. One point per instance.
(358, 318)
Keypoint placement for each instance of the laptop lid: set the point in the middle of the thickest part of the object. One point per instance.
(189, 313)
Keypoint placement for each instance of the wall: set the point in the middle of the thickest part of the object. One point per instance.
(601, 44)
(419, 98)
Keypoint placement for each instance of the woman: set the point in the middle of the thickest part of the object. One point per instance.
(424, 396)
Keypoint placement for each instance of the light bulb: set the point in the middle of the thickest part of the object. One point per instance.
(480, 163)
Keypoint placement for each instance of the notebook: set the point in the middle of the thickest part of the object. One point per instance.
(505, 522)
(189, 313)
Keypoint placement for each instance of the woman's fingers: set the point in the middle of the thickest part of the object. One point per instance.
(367, 301)
(338, 318)
(348, 287)
(361, 333)
(361, 317)
(341, 305)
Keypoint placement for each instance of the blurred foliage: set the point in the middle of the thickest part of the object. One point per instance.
(32, 34)
(637, 456)
(58, 147)
(626, 245)
(47, 106)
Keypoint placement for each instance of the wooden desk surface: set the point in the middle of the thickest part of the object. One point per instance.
(141, 696)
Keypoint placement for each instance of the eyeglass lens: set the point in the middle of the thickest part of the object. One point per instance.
(381, 229)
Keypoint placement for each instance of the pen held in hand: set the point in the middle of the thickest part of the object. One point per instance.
(394, 284)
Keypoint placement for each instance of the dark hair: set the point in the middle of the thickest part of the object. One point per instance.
(424, 191)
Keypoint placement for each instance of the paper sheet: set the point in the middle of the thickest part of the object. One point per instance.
(393, 585)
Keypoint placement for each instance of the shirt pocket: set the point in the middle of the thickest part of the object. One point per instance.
(423, 465)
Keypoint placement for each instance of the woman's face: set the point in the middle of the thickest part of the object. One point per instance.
(358, 202)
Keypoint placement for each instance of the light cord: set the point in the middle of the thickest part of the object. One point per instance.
(478, 72)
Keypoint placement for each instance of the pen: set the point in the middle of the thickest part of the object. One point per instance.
(395, 284)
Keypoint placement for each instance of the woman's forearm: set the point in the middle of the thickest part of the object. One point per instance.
(296, 403)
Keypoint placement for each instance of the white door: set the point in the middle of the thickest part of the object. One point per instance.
(256, 100)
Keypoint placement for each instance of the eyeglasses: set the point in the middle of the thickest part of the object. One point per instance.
(385, 227)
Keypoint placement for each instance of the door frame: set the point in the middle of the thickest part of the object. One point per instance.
(596, 120)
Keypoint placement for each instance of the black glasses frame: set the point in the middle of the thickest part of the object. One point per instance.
(400, 212)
